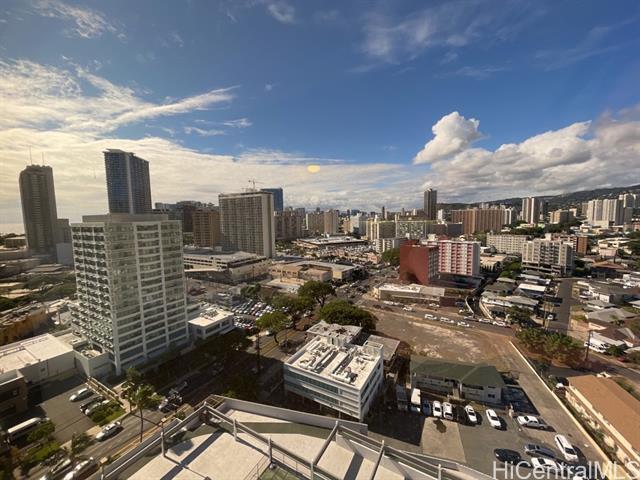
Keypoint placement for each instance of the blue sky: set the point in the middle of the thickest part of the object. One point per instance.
(214, 93)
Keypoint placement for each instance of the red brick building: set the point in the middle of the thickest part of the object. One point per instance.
(418, 263)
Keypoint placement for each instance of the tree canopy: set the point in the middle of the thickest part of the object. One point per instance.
(317, 291)
(274, 321)
(554, 345)
(293, 306)
(391, 256)
(344, 313)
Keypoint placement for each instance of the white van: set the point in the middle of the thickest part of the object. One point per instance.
(569, 453)
(415, 401)
(447, 411)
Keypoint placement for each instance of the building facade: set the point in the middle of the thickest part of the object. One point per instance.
(431, 204)
(459, 257)
(278, 198)
(377, 228)
(128, 182)
(548, 256)
(341, 376)
(39, 214)
(476, 220)
(289, 224)
(130, 286)
(511, 244)
(418, 263)
(247, 222)
(530, 210)
(206, 227)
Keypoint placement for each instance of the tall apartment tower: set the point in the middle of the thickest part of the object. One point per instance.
(206, 227)
(39, 214)
(430, 204)
(459, 257)
(128, 184)
(548, 256)
(130, 286)
(289, 224)
(475, 220)
(530, 210)
(278, 198)
(247, 222)
(331, 220)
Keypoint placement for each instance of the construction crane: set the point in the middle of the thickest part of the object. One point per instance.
(253, 182)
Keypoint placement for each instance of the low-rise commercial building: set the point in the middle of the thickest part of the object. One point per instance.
(22, 322)
(613, 412)
(224, 267)
(336, 333)
(344, 377)
(330, 242)
(211, 321)
(481, 383)
(304, 270)
(412, 293)
(13, 393)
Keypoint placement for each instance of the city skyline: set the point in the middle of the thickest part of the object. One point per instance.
(476, 123)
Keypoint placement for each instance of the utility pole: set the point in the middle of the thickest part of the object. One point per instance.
(586, 353)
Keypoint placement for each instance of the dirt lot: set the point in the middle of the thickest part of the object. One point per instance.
(447, 342)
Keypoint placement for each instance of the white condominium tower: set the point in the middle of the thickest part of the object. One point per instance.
(530, 210)
(130, 286)
(247, 222)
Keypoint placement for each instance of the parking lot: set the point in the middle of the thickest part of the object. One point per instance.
(66, 415)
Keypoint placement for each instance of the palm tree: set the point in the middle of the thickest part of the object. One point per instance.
(142, 397)
(133, 381)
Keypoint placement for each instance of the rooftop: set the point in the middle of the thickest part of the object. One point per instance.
(618, 407)
(389, 345)
(334, 330)
(18, 355)
(328, 241)
(412, 288)
(123, 218)
(209, 316)
(222, 256)
(348, 364)
(532, 287)
(323, 265)
(480, 374)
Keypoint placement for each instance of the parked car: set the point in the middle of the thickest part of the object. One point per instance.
(109, 431)
(447, 411)
(407, 309)
(536, 450)
(59, 470)
(507, 456)
(484, 320)
(437, 409)
(531, 421)
(463, 324)
(471, 414)
(93, 407)
(566, 448)
(428, 316)
(499, 323)
(425, 407)
(82, 469)
(81, 394)
(94, 401)
(85, 405)
(546, 464)
(493, 418)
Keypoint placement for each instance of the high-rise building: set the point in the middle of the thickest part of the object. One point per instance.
(613, 211)
(358, 223)
(39, 214)
(511, 244)
(476, 220)
(560, 216)
(377, 228)
(548, 256)
(247, 222)
(509, 215)
(530, 210)
(430, 204)
(331, 221)
(130, 286)
(459, 257)
(278, 198)
(289, 224)
(128, 184)
(206, 227)
(315, 222)
(418, 263)
(594, 211)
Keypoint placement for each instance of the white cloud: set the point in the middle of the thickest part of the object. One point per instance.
(238, 123)
(268, 87)
(88, 23)
(582, 155)
(478, 72)
(48, 110)
(452, 134)
(177, 39)
(202, 132)
(282, 11)
(393, 38)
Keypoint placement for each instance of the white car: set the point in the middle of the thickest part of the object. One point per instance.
(531, 421)
(564, 445)
(82, 469)
(494, 419)
(108, 431)
(436, 407)
(447, 411)
(471, 414)
(428, 316)
(407, 309)
(499, 323)
(81, 394)
(484, 320)
(464, 324)
(446, 320)
(542, 463)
